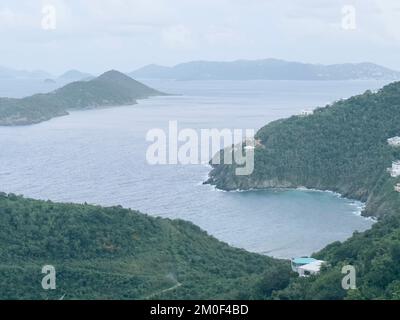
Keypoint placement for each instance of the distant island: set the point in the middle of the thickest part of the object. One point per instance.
(75, 75)
(267, 69)
(13, 74)
(66, 77)
(112, 88)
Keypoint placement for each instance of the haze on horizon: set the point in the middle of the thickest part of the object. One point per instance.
(97, 35)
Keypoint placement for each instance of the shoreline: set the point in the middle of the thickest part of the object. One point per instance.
(360, 206)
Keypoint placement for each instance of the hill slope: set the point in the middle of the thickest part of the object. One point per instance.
(342, 147)
(114, 253)
(267, 69)
(110, 89)
(375, 254)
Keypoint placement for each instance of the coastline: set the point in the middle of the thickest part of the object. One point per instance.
(359, 205)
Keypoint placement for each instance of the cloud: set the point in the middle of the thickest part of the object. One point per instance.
(15, 20)
(137, 32)
(178, 37)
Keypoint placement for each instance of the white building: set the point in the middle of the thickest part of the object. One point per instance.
(395, 141)
(312, 268)
(397, 187)
(249, 147)
(306, 113)
(395, 169)
(305, 266)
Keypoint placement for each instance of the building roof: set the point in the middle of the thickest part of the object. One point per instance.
(395, 141)
(314, 266)
(303, 260)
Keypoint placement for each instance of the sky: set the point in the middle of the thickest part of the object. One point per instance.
(98, 35)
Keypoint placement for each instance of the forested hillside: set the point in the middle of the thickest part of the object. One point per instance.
(110, 89)
(342, 147)
(375, 254)
(114, 253)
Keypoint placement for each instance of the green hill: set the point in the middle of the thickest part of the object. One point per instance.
(342, 147)
(110, 89)
(114, 253)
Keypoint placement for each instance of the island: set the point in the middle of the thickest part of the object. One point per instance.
(266, 69)
(112, 88)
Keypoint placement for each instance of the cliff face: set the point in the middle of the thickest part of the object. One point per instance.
(222, 177)
(342, 148)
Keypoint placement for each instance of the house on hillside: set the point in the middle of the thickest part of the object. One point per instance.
(312, 268)
(395, 169)
(306, 267)
(394, 142)
(305, 113)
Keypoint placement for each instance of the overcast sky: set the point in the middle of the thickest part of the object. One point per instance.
(96, 35)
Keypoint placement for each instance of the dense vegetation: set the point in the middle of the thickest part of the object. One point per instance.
(114, 253)
(110, 89)
(342, 147)
(375, 254)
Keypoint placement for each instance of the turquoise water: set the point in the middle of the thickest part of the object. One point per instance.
(98, 156)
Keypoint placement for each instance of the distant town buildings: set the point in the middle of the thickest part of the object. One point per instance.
(395, 169)
(395, 141)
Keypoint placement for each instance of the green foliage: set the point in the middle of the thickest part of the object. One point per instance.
(343, 148)
(114, 253)
(375, 256)
(110, 89)
(276, 278)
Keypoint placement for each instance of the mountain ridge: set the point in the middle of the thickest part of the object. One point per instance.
(266, 69)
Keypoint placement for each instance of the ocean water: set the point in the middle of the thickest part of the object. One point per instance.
(19, 88)
(98, 156)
